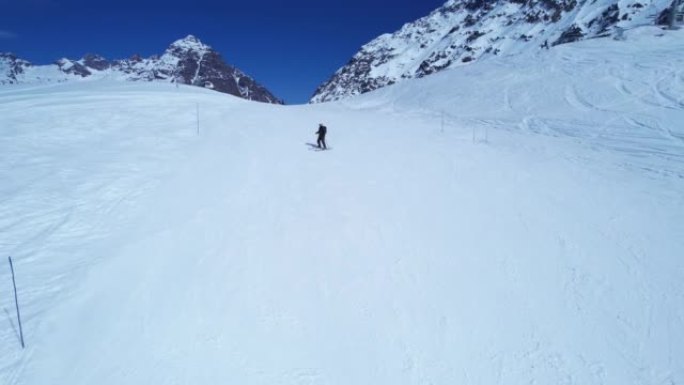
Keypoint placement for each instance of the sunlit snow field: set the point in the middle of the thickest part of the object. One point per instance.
(520, 220)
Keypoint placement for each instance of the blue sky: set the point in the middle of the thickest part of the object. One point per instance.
(288, 46)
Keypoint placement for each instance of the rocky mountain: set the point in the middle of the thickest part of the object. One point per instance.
(464, 31)
(11, 67)
(186, 61)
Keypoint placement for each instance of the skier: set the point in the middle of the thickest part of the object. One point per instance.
(322, 130)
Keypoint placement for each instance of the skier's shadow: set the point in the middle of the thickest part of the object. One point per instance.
(314, 147)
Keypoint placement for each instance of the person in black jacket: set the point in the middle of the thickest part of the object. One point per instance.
(322, 130)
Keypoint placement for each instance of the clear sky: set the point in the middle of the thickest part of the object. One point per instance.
(288, 46)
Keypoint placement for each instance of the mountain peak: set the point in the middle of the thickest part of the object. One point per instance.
(185, 61)
(8, 56)
(190, 43)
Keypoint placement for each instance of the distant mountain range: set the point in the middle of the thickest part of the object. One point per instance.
(464, 31)
(186, 61)
(458, 33)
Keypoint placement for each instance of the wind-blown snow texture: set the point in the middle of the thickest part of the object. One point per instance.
(186, 61)
(522, 227)
(464, 31)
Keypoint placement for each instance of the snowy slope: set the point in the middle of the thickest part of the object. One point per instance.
(185, 61)
(509, 230)
(463, 31)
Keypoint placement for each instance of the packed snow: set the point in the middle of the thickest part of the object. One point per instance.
(515, 221)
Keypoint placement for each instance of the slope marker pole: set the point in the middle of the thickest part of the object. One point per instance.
(16, 302)
(197, 118)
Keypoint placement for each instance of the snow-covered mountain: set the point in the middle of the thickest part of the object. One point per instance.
(186, 61)
(463, 31)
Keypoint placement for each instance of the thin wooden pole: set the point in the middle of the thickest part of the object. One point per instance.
(16, 302)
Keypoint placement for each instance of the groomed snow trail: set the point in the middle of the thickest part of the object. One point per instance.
(407, 254)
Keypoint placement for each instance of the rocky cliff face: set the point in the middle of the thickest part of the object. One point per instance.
(464, 31)
(186, 61)
(11, 67)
